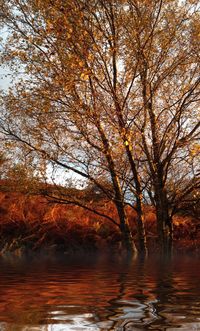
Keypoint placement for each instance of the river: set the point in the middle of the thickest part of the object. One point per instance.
(99, 293)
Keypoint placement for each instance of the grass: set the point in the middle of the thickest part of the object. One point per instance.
(30, 223)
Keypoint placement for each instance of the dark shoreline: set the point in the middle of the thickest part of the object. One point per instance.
(54, 251)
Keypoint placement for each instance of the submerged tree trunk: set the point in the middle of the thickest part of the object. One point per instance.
(142, 242)
(164, 223)
(127, 239)
(158, 175)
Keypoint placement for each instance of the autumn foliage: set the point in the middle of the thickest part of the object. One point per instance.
(105, 91)
(32, 223)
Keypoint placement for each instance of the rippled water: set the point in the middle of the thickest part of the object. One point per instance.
(100, 294)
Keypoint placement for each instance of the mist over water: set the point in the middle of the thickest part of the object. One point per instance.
(99, 293)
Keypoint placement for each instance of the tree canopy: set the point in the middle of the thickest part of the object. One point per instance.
(110, 91)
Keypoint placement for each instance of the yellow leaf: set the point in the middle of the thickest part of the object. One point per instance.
(81, 63)
(84, 76)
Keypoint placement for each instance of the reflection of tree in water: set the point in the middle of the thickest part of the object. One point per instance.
(115, 303)
(130, 310)
(164, 291)
(177, 293)
(143, 297)
(157, 294)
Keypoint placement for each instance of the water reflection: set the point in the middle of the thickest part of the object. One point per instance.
(100, 294)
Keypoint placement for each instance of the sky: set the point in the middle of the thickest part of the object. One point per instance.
(59, 176)
(4, 78)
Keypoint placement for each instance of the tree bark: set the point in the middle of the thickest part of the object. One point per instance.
(164, 222)
(127, 239)
(142, 242)
(123, 128)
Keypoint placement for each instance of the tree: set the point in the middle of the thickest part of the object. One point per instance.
(109, 89)
(164, 41)
(84, 96)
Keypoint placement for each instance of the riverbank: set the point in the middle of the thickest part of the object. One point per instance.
(31, 224)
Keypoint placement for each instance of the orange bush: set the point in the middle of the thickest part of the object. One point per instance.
(32, 222)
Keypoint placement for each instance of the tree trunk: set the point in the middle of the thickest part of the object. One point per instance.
(127, 239)
(142, 242)
(164, 222)
(123, 128)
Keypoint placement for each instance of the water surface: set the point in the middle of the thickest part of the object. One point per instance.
(98, 294)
